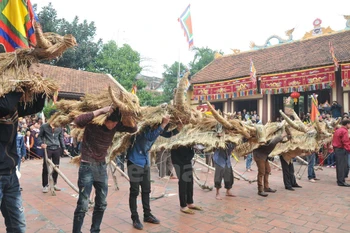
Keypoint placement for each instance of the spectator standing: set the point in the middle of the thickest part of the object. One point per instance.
(51, 139)
(336, 109)
(341, 144)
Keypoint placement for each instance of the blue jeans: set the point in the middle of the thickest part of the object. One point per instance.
(11, 204)
(331, 159)
(248, 161)
(310, 167)
(91, 174)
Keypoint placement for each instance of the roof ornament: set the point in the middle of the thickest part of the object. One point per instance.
(217, 55)
(318, 30)
(236, 51)
(347, 17)
(289, 33)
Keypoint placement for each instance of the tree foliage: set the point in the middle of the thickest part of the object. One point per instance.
(203, 56)
(123, 63)
(82, 55)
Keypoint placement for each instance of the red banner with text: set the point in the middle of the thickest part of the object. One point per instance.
(224, 89)
(345, 74)
(301, 80)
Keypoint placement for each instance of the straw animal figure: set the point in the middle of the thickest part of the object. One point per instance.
(306, 139)
(16, 74)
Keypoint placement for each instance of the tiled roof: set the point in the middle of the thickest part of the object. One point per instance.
(75, 82)
(285, 57)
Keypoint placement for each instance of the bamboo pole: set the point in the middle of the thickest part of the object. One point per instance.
(115, 180)
(63, 176)
(273, 164)
(120, 170)
(234, 171)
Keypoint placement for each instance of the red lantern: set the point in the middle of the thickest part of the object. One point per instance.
(295, 95)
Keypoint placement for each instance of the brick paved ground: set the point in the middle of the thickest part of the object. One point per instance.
(319, 207)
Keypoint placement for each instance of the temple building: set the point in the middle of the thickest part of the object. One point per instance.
(269, 77)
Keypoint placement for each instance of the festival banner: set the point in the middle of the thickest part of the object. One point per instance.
(16, 25)
(186, 24)
(225, 89)
(345, 74)
(301, 80)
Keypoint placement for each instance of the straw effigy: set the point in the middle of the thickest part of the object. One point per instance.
(15, 66)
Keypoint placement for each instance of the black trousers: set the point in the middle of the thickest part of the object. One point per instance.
(288, 174)
(225, 173)
(341, 158)
(139, 176)
(184, 173)
(55, 156)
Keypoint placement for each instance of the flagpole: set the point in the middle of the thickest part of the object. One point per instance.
(179, 67)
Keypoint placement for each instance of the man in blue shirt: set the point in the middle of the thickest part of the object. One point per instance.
(139, 171)
(223, 169)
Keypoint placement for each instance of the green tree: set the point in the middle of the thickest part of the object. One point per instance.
(203, 56)
(170, 79)
(82, 55)
(149, 98)
(123, 63)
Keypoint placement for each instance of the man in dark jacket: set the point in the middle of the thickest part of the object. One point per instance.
(51, 139)
(336, 109)
(10, 194)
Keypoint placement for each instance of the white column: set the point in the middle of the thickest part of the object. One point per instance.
(334, 93)
(260, 107)
(232, 106)
(225, 106)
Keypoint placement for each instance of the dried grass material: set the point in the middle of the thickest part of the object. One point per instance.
(121, 143)
(14, 67)
(77, 133)
(76, 160)
(127, 103)
(15, 75)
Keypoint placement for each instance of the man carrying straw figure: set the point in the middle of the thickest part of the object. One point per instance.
(92, 170)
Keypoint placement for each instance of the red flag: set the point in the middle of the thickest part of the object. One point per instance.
(186, 24)
(315, 114)
(335, 60)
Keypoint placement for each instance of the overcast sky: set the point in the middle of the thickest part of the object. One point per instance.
(152, 29)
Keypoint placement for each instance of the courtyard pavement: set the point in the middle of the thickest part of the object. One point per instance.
(317, 207)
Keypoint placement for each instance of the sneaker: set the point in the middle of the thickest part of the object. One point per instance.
(57, 188)
(46, 189)
(312, 181)
(137, 224)
(328, 166)
(151, 219)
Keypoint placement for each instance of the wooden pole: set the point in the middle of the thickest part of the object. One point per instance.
(113, 176)
(63, 176)
(119, 170)
(273, 164)
(234, 171)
